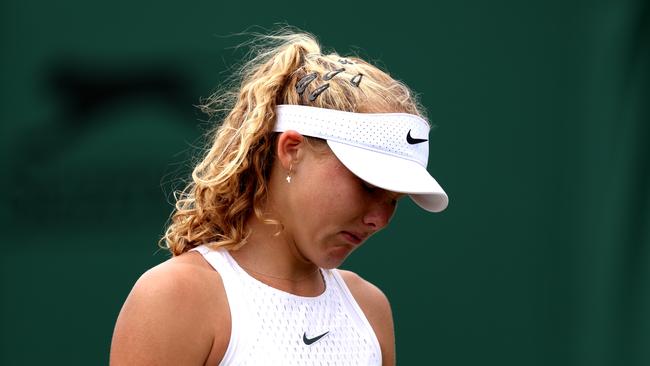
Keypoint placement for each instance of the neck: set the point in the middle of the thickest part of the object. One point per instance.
(276, 261)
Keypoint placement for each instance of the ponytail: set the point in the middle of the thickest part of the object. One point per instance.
(230, 182)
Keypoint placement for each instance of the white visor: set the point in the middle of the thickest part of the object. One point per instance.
(387, 150)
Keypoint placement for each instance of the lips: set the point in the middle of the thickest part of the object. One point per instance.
(355, 238)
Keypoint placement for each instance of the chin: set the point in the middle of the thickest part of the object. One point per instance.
(335, 256)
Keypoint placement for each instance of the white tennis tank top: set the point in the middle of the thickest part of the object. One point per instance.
(273, 327)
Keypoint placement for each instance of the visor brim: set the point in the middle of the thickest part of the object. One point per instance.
(394, 174)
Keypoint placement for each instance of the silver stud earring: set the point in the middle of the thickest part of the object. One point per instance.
(289, 174)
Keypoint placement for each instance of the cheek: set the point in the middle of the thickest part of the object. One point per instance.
(331, 191)
(325, 195)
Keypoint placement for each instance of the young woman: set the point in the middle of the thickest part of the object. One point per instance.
(309, 162)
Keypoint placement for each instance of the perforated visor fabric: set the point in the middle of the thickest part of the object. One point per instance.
(384, 133)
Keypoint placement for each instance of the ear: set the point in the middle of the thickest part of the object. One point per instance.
(289, 148)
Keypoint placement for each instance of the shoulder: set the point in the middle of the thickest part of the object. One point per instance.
(182, 283)
(376, 308)
(183, 278)
(181, 298)
(365, 293)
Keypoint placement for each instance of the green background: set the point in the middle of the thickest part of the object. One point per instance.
(542, 142)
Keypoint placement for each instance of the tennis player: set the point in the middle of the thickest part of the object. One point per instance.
(310, 160)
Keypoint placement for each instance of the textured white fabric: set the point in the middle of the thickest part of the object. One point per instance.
(268, 325)
(387, 150)
(381, 132)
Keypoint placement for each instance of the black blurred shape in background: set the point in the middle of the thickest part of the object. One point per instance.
(85, 90)
(66, 172)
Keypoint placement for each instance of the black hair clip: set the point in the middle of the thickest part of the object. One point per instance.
(332, 74)
(356, 80)
(318, 91)
(302, 83)
(345, 62)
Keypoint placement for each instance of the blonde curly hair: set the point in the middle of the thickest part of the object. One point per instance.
(230, 183)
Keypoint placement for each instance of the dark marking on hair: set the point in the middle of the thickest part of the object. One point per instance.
(356, 80)
(345, 62)
(332, 74)
(318, 91)
(302, 83)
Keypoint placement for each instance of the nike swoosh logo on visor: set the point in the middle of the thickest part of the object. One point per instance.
(412, 140)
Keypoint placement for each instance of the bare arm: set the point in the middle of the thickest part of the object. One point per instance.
(377, 309)
(173, 316)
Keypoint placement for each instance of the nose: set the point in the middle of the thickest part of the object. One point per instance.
(379, 213)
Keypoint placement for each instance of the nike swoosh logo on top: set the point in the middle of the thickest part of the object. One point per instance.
(309, 341)
(412, 140)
